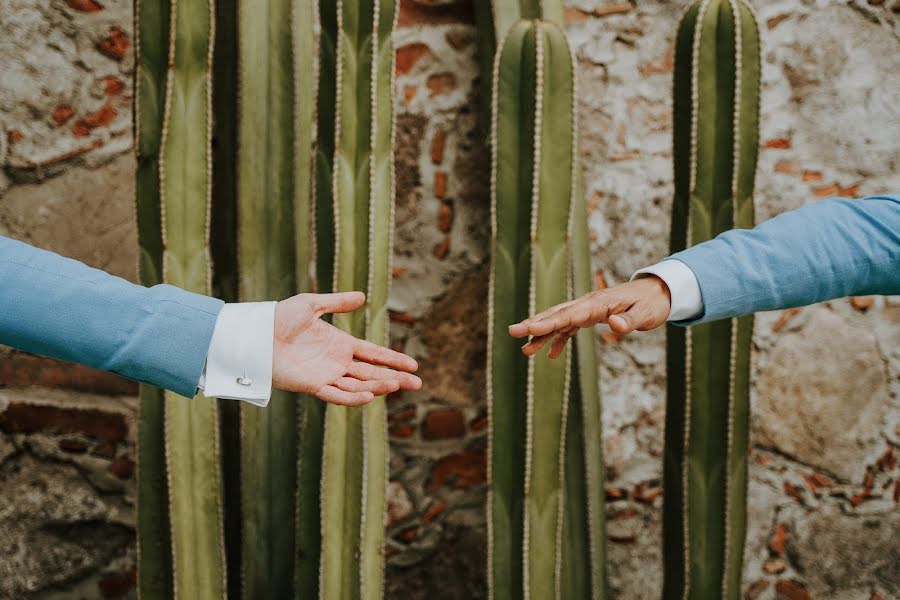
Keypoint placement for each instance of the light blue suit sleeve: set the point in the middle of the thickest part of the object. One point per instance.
(61, 308)
(830, 249)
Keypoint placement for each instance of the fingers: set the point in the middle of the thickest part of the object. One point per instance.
(585, 312)
(334, 395)
(521, 329)
(638, 317)
(559, 344)
(377, 387)
(367, 372)
(341, 302)
(535, 345)
(379, 355)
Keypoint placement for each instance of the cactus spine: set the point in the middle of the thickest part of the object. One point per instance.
(355, 186)
(174, 128)
(716, 108)
(545, 523)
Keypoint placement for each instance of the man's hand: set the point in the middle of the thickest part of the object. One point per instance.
(314, 357)
(641, 305)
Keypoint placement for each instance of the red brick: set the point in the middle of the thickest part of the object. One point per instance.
(409, 93)
(112, 85)
(100, 118)
(79, 129)
(811, 176)
(600, 280)
(434, 511)
(105, 450)
(409, 534)
(88, 6)
(409, 55)
(791, 590)
(775, 566)
(25, 370)
(62, 114)
(461, 470)
(784, 318)
(663, 66)
(413, 12)
(613, 9)
(479, 424)
(402, 431)
(441, 83)
(827, 190)
(756, 589)
(778, 144)
(613, 494)
(779, 539)
(442, 249)
(442, 424)
(114, 585)
(440, 184)
(122, 468)
(793, 491)
(75, 446)
(14, 135)
(401, 317)
(445, 217)
(114, 45)
(95, 424)
(787, 166)
(773, 22)
(407, 413)
(437, 146)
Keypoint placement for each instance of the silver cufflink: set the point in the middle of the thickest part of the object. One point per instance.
(244, 381)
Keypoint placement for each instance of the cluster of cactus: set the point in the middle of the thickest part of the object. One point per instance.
(546, 518)
(716, 110)
(235, 135)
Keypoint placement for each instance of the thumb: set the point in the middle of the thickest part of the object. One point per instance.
(341, 302)
(621, 324)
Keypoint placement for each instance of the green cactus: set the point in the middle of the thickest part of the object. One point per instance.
(173, 129)
(716, 108)
(355, 188)
(545, 512)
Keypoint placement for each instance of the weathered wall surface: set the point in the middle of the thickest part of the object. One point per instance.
(826, 432)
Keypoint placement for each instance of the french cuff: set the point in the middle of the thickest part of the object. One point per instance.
(687, 302)
(239, 362)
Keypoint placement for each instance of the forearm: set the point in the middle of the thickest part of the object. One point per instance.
(58, 307)
(822, 251)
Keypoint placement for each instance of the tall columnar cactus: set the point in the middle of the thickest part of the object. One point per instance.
(544, 509)
(355, 189)
(716, 107)
(179, 439)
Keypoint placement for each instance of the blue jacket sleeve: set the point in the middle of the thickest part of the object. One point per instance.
(830, 249)
(61, 308)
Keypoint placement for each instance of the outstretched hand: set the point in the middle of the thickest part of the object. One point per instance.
(314, 357)
(638, 305)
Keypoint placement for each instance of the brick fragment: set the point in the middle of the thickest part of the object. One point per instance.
(444, 423)
(445, 217)
(441, 83)
(112, 85)
(784, 318)
(777, 144)
(413, 12)
(402, 431)
(115, 44)
(122, 467)
(779, 539)
(773, 22)
(437, 146)
(460, 470)
(95, 424)
(409, 93)
(14, 135)
(617, 493)
(811, 176)
(827, 190)
(410, 54)
(114, 585)
(401, 317)
(793, 491)
(442, 249)
(663, 66)
(434, 511)
(87, 6)
(791, 590)
(479, 423)
(787, 166)
(775, 566)
(72, 445)
(62, 114)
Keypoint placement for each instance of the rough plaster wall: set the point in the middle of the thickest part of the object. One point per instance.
(826, 430)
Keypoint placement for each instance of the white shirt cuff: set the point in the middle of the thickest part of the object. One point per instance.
(687, 302)
(239, 361)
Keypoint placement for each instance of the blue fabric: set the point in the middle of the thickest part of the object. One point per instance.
(835, 248)
(62, 308)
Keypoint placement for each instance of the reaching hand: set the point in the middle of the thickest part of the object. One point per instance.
(641, 305)
(314, 357)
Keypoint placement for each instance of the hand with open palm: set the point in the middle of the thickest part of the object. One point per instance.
(314, 357)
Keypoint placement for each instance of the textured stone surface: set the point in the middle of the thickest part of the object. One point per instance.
(822, 394)
(830, 125)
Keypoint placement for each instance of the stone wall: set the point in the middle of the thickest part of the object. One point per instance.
(825, 483)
